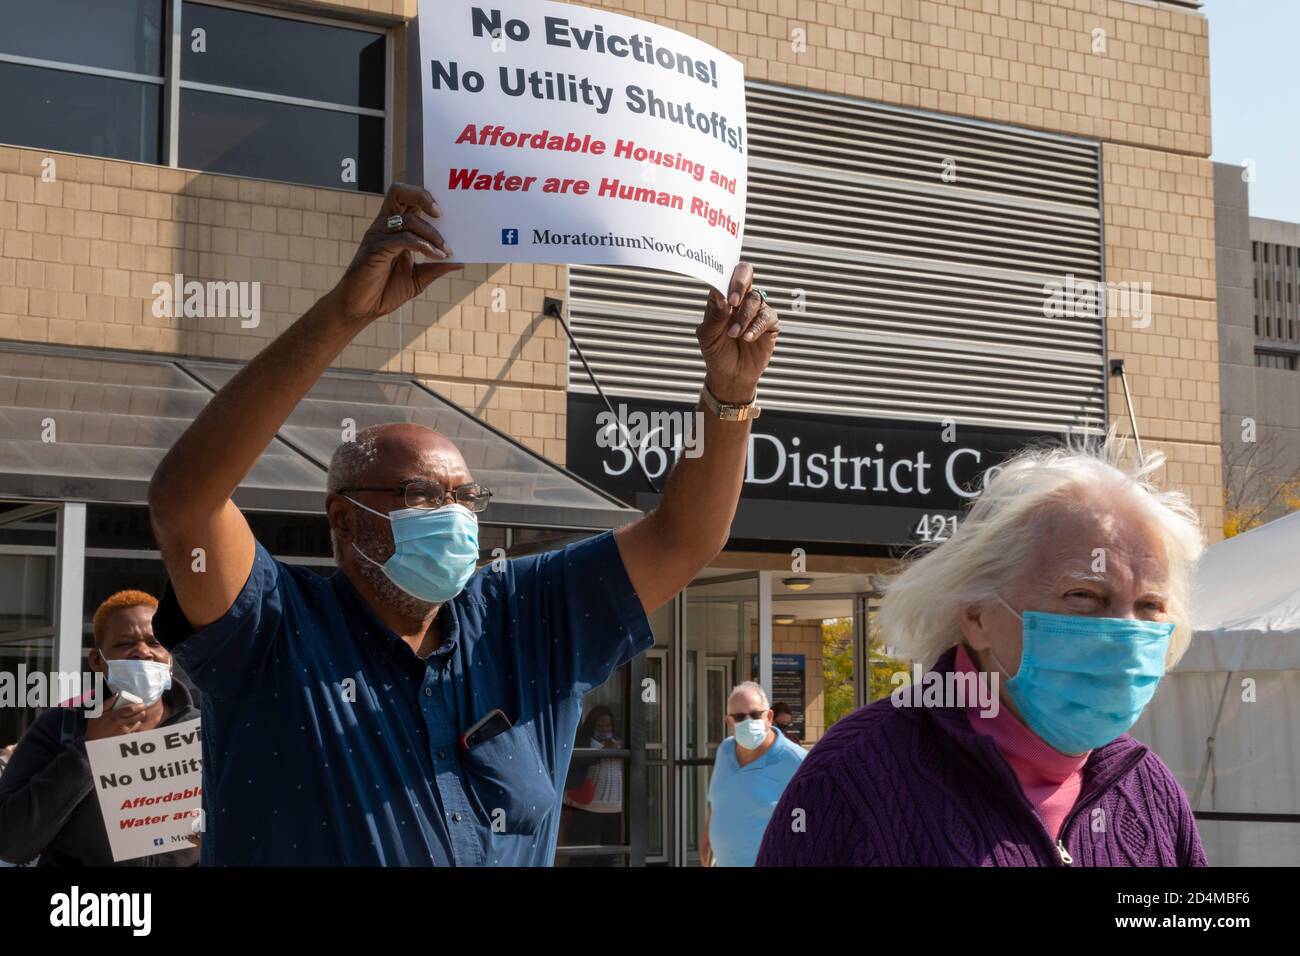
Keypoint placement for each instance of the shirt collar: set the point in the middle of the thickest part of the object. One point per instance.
(764, 758)
(383, 637)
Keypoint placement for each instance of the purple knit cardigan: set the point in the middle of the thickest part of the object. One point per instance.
(916, 786)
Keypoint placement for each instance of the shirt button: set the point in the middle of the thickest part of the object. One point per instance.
(428, 692)
(442, 754)
(456, 817)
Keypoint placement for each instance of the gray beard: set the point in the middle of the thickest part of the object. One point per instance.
(388, 593)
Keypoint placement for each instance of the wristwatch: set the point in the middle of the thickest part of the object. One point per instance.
(730, 413)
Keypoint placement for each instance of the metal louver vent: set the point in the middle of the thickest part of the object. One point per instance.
(902, 296)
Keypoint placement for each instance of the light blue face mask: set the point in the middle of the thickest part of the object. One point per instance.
(1083, 680)
(435, 550)
(750, 734)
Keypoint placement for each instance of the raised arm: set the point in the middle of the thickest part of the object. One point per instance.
(190, 495)
(666, 549)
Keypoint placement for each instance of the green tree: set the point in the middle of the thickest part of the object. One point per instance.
(883, 669)
(837, 668)
(883, 666)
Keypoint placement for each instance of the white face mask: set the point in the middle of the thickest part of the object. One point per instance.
(145, 679)
(750, 734)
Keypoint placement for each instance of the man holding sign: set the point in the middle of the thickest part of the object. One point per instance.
(409, 710)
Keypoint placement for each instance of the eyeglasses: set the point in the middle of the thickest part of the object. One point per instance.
(432, 494)
(752, 715)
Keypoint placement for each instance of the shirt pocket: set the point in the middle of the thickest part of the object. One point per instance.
(510, 785)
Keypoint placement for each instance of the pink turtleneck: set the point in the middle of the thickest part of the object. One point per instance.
(1050, 779)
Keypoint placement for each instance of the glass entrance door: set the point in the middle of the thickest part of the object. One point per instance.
(717, 650)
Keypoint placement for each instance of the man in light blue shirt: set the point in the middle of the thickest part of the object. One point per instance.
(750, 772)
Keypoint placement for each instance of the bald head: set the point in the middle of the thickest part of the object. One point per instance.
(391, 455)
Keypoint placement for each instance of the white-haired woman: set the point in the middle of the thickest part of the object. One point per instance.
(1068, 583)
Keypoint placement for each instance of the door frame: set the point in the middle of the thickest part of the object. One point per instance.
(681, 766)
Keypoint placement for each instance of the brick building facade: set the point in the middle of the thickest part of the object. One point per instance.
(81, 253)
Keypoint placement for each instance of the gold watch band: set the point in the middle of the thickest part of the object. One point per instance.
(730, 413)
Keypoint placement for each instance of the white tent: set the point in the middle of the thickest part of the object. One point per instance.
(1227, 719)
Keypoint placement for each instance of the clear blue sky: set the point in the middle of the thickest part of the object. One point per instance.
(1255, 97)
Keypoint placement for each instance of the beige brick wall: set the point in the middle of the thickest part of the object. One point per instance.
(79, 256)
(1028, 62)
(1159, 222)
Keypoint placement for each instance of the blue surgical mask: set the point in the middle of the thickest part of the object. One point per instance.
(144, 679)
(750, 734)
(435, 550)
(1083, 680)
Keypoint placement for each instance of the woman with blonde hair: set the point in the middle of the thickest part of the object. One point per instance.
(1064, 595)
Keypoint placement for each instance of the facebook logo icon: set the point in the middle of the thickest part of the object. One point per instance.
(509, 237)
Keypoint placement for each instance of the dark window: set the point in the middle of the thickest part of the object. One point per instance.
(69, 107)
(243, 137)
(291, 534)
(80, 113)
(123, 35)
(119, 526)
(248, 51)
(299, 101)
(1280, 360)
(127, 526)
(276, 98)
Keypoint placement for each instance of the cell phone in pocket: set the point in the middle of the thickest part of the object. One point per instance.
(493, 723)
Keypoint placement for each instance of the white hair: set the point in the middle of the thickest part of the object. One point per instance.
(922, 607)
(352, 460)
(751, 685)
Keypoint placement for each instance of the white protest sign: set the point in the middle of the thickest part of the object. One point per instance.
(556, 133)
(150, 787)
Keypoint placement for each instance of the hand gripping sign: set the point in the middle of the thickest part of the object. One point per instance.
(150, 787)
(555, 133)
